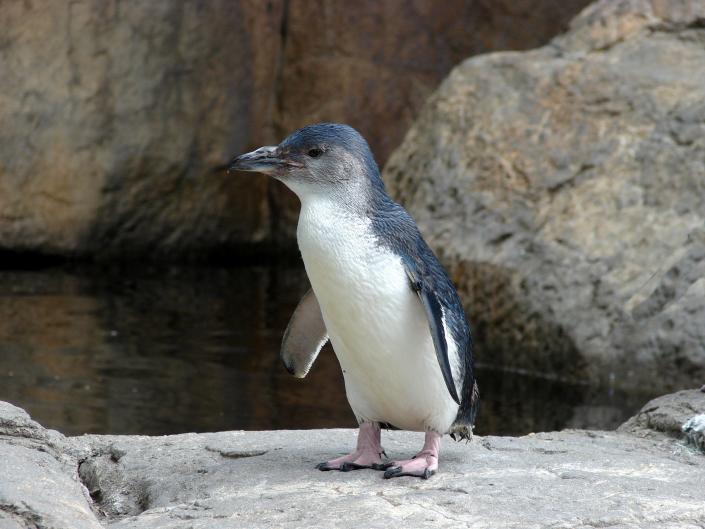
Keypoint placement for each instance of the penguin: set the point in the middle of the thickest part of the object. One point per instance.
(379, 294)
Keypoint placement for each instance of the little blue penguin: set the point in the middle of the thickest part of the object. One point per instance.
(378, 293)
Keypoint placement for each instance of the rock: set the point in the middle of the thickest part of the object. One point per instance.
(16, 423)
(115, 113)
(666, 414)
(39, 485)
(678, 415)
(564, 187)
(597, 478)
(570, 479)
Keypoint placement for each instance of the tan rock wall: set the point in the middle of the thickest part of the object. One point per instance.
(113, 113)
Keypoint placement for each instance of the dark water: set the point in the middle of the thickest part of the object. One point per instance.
(167, 350)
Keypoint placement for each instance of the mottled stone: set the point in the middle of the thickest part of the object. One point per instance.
(114, 114)
(564, 187)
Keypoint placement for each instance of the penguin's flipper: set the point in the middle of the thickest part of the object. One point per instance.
(304, 337)
(434, 314)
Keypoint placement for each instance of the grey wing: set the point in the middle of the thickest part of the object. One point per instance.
(434, 315)
(304, 337)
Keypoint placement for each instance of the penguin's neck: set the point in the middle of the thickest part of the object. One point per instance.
(332, 230)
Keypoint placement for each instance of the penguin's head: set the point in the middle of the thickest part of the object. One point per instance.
(325, 158)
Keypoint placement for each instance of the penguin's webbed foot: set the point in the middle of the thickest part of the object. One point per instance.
(368, 453)
(422, 465)
(359, 459)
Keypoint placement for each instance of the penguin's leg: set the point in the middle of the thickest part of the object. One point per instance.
(423, 465)
(368, 453)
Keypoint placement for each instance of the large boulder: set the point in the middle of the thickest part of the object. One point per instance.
(565, 189)
(114, 113)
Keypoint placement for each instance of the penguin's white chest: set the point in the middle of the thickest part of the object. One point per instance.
(375, 322)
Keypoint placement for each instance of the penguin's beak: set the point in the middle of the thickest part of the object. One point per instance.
(263, 160)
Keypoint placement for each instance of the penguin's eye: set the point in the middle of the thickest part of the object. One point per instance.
(315, 153)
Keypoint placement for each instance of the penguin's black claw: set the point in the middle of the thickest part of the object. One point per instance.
(381, 466)
(324, 466)
(392, 472)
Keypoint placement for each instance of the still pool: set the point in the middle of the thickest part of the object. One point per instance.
(162, 350)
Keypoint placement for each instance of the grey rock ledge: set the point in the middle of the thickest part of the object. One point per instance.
(643, 475)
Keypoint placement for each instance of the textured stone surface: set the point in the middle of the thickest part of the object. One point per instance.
(39, 485)
(565, 189)
(115, 112)
(570, 479)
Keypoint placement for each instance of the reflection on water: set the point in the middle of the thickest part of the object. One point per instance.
(169, 350)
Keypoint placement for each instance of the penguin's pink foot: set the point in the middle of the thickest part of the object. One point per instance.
(422, 465)
(353, 461)
(368, 453)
